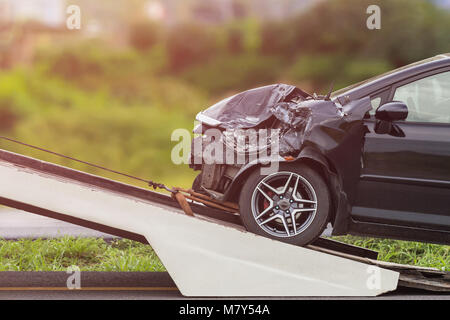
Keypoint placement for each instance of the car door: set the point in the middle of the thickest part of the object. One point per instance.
(405, 178)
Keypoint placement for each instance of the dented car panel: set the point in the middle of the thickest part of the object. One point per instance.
(318, 129)
(250, 108)
(327, 134)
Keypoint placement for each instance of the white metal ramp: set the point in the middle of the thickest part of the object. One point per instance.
(204, 257)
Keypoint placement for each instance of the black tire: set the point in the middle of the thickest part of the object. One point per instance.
(314, 224)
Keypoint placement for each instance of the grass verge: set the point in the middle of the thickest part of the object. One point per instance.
(404, 252)
(91, 254)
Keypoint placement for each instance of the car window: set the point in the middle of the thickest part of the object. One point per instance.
(344, 90)
(377, 99)
(375, 104)
(428, 99)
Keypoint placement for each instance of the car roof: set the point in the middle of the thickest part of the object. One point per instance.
(371, 85)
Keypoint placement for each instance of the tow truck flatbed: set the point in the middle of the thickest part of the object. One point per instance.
(206, 255)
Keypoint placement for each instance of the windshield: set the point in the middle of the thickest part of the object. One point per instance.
(343, 90)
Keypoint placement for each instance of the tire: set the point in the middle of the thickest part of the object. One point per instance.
(308, 206)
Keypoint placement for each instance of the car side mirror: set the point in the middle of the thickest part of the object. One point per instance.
(392, 111)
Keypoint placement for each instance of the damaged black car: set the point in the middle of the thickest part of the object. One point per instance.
(372, 159)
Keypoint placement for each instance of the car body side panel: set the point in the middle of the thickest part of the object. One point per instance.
(404, 190)
(407, 176)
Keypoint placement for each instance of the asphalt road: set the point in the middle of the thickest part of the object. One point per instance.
(132, 286)
(93, 285)
(15, 224)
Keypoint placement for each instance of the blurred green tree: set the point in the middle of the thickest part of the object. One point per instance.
(117, 105)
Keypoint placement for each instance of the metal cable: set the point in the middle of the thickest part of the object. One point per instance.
(151, 183)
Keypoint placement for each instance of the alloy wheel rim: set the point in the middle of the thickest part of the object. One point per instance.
(284, 204)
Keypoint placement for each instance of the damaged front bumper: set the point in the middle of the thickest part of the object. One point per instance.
(306, 127)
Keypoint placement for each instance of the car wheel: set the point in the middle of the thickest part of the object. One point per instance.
(291, 205)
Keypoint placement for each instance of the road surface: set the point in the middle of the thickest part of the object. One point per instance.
(15, 224)
(130, 286)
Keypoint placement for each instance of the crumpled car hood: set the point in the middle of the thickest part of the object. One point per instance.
(321, 122)
(250, 108)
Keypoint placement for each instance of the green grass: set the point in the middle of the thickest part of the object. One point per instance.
(404, 252)
(88, 254)
(91, 254)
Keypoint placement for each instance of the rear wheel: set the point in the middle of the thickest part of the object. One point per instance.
(291, 205)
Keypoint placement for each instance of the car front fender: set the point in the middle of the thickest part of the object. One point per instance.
(312, 157)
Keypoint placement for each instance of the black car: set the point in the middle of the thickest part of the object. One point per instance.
(373, 158)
